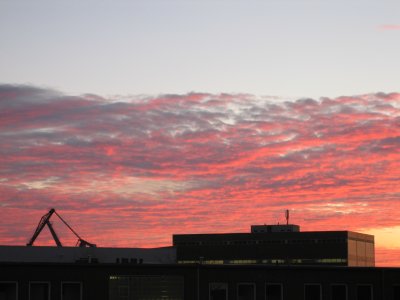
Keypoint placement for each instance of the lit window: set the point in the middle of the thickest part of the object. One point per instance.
(331, 260)
(277, 261)
(214, 262)
(188, 261)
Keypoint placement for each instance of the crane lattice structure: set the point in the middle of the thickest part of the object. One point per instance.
(45, 220)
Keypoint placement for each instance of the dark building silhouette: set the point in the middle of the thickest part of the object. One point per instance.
(272, 262)
(277, 244)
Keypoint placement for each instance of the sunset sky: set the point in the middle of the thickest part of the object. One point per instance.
(140, 119)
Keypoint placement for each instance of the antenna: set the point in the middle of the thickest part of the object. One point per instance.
(287, 216)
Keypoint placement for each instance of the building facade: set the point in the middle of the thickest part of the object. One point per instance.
(88, 281)
(277, 245)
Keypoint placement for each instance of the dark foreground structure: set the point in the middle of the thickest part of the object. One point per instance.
(272, 262)
(277, 244)
(78, 281)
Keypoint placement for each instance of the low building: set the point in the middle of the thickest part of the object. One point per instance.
(162, 255)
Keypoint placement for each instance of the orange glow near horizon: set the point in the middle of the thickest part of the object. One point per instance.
(133, 172)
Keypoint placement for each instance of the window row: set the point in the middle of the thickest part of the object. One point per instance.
(146, 287)
(261, 242)
(270, 261)
(171, 287)
(40, 290)
(274, 291)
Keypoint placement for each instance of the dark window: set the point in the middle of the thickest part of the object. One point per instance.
(246, 291)
(339, 292)
(218, 291)
(273, 291)
(39, 291)
(312, 292)
(71, 291)
(123, 292)
(364, 292)
(396, 292)
(8, 291)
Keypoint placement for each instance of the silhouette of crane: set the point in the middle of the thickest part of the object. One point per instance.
(45, 220)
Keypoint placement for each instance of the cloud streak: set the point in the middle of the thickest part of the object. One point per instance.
(390, 27)
(131, 171)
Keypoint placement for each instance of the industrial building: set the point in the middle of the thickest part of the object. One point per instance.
(277, 244)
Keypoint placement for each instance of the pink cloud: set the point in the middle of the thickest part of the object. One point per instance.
(121, 172)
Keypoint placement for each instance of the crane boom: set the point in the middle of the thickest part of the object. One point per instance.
(54, 234)
(45, 220)
(42, 223)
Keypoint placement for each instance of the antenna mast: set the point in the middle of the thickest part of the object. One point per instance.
(287, 216)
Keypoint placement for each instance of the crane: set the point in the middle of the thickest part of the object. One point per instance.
(45, 220)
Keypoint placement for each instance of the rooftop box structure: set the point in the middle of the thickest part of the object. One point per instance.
(274, 228)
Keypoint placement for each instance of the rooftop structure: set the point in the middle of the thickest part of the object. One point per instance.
(274, 228)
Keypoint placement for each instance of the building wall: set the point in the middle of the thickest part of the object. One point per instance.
(164, 255)
(361, 250)
(197, 281)
(304, 248)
